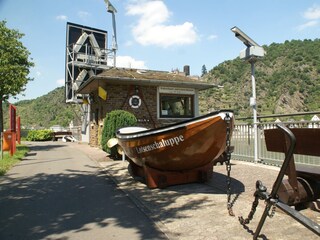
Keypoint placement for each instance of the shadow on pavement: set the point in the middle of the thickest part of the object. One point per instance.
(44, 146)
(46, 204)
(175, 202)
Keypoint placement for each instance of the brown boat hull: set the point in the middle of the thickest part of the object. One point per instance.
(179, 147)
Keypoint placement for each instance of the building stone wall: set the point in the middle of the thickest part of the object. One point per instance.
(93, 139)
(118, 98)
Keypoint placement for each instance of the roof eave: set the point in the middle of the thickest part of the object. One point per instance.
(96, 80)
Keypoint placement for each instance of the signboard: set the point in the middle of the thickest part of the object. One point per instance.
(173, 90)
(102, 93)
(86, 55)
(12, 114)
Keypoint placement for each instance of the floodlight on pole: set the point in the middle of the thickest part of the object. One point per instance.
(111, 9)
(251, 54)
(244, 37)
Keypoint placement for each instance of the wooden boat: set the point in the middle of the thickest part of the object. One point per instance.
(182, 146)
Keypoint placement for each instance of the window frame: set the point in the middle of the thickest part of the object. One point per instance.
(192, 106)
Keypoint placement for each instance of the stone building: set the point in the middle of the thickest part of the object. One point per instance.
(156, 98)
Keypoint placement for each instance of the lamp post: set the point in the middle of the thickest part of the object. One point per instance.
(111, 9)
(251, 54)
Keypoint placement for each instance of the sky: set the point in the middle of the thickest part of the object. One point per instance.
(154, 34)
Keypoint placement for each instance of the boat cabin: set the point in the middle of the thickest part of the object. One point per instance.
(156, 98)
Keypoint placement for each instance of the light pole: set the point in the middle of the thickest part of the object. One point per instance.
(111, 9)
(251, 54)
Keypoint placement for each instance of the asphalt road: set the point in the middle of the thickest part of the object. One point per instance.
(58, 192)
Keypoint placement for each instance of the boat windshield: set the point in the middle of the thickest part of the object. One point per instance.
(127, 130)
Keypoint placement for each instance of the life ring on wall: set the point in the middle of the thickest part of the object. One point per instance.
(135, 101)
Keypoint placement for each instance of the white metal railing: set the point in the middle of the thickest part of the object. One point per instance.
(243, 142)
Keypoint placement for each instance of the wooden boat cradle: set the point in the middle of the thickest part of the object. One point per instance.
(161, 179)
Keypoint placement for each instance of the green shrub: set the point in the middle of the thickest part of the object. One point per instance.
(114, 120)
(39, 135)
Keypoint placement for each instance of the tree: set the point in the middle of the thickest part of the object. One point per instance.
(14, 65)
(203, 70)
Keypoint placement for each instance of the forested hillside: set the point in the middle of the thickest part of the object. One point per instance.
(287, 81)
(46, 111)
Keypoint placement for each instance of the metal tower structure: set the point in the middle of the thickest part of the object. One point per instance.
(87, 54)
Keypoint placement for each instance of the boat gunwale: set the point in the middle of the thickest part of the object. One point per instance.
(169, 128)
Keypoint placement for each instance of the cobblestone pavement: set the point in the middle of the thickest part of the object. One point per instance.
(199, 211)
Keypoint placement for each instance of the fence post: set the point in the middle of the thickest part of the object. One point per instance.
(259, 135)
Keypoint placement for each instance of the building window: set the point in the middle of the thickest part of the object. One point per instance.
(176, 106)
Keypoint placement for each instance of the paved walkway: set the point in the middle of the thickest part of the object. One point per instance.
(198, 211)
(58, 192)
(75, 199)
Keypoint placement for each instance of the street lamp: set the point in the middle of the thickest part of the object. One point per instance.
(251, 54)
(111, 9)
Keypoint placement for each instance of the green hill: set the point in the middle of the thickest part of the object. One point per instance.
(287, 81)
(46, 111)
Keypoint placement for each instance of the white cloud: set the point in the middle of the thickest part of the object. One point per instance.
(307, 25)
(60, 81)
(130, 62)
(152, 12)
(152, 27)
(312, 13)
(62, 18)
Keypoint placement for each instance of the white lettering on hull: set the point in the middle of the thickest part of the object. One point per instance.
(170, 142)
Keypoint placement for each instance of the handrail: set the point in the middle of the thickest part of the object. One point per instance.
(280, 115)
(242, 140)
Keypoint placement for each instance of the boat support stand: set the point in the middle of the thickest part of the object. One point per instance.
(155, 178)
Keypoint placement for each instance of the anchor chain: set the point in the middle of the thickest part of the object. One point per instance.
(251, 213)
(273, 211)
(253, 210)
(260, 194)
(228, 165)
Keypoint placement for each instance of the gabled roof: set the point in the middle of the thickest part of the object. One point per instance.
(129, 76)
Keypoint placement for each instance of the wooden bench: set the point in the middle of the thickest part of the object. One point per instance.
(302, 184)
